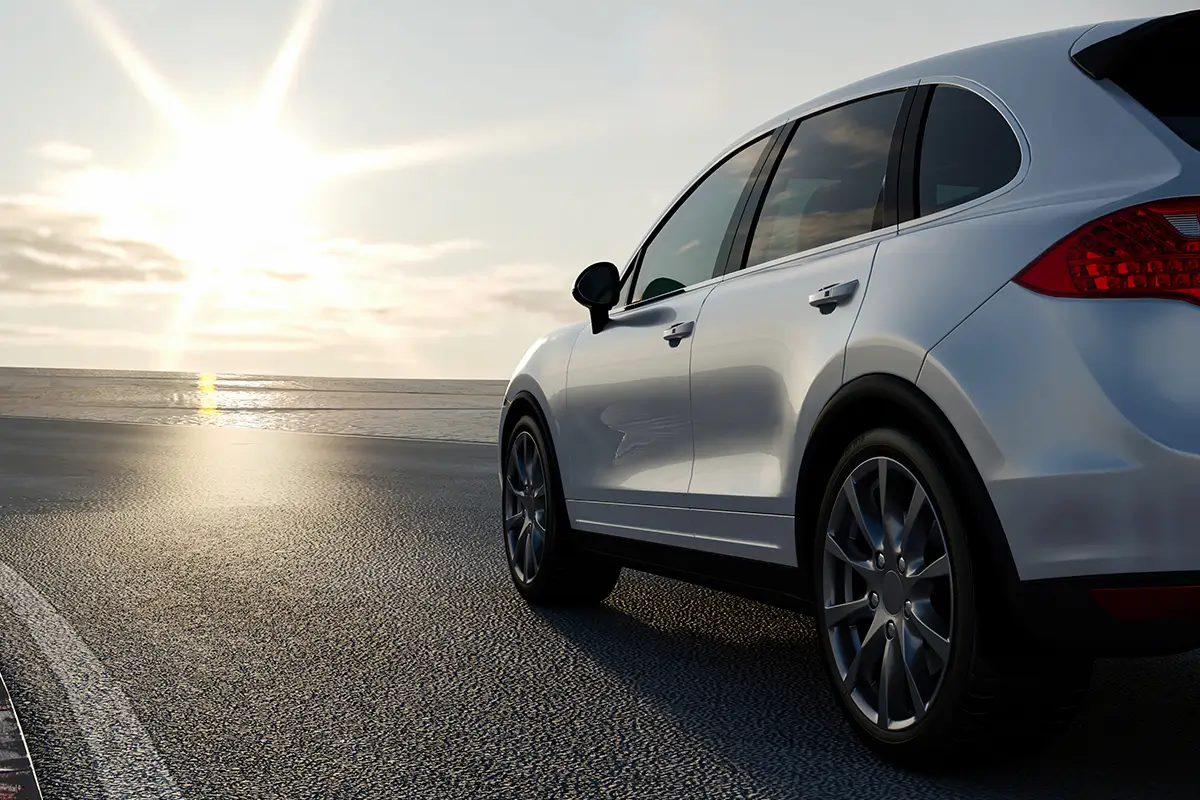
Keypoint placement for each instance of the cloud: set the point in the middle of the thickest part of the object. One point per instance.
(88, 265)
(63, 153)
(67, 337)
(456, 304)
(393, 253)
(45, 249)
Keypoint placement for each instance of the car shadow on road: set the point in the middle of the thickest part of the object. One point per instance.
(747, 681)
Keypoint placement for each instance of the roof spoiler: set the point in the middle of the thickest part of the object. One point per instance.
(1108, 57)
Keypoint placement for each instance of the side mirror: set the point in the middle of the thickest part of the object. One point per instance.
(598, 288)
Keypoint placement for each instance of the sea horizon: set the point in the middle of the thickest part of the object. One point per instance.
(427, 408)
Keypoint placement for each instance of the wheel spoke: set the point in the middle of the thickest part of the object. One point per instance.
(934, 640)
(866, 653)
(537, 544)
(527, 554)
(520, 462)
(914, 691)
(850, 490)
(885, 536)
(861, 567)
(887, 674)
(854, 611)
(915, 504)
(513, 522)
(531, 457)
(539, 490)
(517, 491)
(938, 568)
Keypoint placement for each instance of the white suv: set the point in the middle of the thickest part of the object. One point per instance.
(918, 356)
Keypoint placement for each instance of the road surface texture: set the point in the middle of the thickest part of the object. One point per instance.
(225, 613)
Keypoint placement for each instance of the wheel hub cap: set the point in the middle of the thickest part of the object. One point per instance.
(893, 593)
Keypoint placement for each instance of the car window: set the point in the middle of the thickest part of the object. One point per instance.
(967, 150)
(684, 250)
(829, 182)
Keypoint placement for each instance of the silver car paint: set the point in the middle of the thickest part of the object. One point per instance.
(1083, 417)
(628, 430)
(763, 363)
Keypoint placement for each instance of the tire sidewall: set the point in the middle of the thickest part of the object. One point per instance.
(909, 452)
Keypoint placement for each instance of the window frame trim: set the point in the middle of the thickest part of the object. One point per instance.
(910, 152)
(634, 268)
(886, 210)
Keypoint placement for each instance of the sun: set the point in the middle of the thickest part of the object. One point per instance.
(234, 200)
(236, 191)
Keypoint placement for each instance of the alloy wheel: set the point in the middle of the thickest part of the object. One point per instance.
(887, 594)
(525, 502)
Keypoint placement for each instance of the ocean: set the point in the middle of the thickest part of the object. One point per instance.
(454, 410)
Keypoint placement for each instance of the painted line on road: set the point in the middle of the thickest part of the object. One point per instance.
(18, 781)
(124, 756)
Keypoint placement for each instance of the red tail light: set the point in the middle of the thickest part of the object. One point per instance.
(1152, 250)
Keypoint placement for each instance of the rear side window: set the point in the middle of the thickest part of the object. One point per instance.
(967, 150)
(829, 183)
(1156, 64)
(1163, 81)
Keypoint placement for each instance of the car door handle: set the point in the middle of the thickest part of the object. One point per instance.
(828, 298)
(678, 332)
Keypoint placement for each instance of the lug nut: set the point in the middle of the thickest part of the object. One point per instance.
(879, 561)
(908, 608)
(891, 629)
(900, 564)
(873, 600)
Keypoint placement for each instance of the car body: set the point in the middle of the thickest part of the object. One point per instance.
(1063, 417)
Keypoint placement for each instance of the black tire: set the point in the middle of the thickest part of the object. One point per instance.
(998, 706)
(566, 575)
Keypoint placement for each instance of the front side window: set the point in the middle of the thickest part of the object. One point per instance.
(968, 150)
(830, 182)
(684, 250)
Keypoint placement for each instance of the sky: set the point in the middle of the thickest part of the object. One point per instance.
(386, 188)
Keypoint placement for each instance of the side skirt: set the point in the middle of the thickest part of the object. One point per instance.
(773, 584)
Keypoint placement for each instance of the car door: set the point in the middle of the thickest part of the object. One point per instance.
(770, 349)
(627, 431)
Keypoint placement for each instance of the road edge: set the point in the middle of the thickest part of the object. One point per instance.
(18, 780)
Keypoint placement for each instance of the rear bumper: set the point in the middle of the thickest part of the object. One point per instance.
(1150, 614)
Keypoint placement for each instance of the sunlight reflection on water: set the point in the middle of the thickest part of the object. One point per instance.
(452, 410)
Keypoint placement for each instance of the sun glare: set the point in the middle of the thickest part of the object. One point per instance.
(233, 201)
(235, 192)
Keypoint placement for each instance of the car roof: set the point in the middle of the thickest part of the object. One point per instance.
(987, 64)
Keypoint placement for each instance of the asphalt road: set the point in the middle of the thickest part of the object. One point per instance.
(220, 613)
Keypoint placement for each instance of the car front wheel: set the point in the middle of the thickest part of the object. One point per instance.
(545, 565)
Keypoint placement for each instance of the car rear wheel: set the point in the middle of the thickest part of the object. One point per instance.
(545, 565)
(899, 624)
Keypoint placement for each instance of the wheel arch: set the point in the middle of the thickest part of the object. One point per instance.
(881, 400)
(523, 403)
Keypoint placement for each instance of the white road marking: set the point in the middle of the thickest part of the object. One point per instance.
(125, 758)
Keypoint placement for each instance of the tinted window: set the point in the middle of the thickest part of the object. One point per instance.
(1161, 75)
(685, 249)
(829, 183)
(967, 150)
